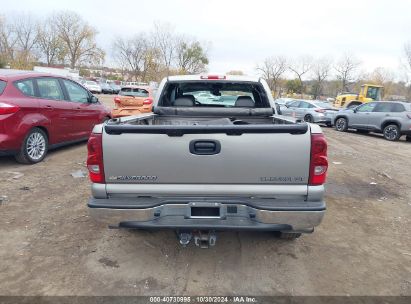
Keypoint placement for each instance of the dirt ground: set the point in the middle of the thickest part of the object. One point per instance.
(50, 246)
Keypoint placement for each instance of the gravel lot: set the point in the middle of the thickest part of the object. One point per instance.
(49, 245)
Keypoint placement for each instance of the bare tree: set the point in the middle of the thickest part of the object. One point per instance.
(272, 69)
(165, 42)
(300, 67)
(151, 63)
(153, 55)
(345, 68)
(382, 75)
(191, 56)
(235, 72)
(385, 77)
(24, 33)
(78, 38)
(25, 28)
(407, 53)
(131, 53)
(49, 43)
(321, 70)
(8, 42)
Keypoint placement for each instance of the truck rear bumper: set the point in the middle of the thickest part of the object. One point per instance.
(217, 214)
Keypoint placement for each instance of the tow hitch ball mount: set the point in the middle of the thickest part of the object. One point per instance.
(202, 238)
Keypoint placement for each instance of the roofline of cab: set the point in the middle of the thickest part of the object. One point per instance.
(226, 78)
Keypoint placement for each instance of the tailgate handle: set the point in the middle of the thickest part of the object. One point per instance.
(205, 147)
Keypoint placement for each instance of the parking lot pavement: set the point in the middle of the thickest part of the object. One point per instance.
(106, 99)
(50, 246)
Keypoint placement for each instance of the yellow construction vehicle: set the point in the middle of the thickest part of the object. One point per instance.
(368, 92)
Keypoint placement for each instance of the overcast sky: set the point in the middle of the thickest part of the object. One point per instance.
(243, 33)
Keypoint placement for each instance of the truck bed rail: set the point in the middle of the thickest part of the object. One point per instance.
(300, 128)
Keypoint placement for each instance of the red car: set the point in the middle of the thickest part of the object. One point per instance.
(41, 111)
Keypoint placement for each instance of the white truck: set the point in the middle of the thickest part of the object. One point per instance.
(227, 162)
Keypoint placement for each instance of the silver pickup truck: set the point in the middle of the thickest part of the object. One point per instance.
(214, 155)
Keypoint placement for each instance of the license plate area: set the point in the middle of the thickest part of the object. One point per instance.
(205, 212)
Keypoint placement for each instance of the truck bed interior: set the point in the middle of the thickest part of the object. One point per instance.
(177, 125)
(211, 107)
(205, 116)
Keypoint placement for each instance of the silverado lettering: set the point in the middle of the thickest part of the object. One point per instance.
(134, 177)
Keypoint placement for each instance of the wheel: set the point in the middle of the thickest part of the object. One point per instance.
(408, 138)
(289, 235)
(341, 124)
(392, 132)
(308, 118)
(34, 147)
(362, 131)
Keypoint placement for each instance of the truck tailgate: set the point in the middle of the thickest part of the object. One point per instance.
(271, 158)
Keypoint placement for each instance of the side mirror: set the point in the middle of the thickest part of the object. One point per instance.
(93, 99)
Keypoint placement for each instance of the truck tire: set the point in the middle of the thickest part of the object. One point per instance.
(34, 147)
(289, 235)
(391, 132)
(408, 138)
(341, 124)
(308, 118)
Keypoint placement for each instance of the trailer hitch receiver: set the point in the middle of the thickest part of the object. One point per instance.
(205, 239)
(202, 238)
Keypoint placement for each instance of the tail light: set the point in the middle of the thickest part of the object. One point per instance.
(6, 108)
(95, 158)
(319, 162)
(148, 101)
(319, 110)
(117, 100)
(213, 77)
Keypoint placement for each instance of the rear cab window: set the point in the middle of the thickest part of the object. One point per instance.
(2, 86)
(214, 94)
